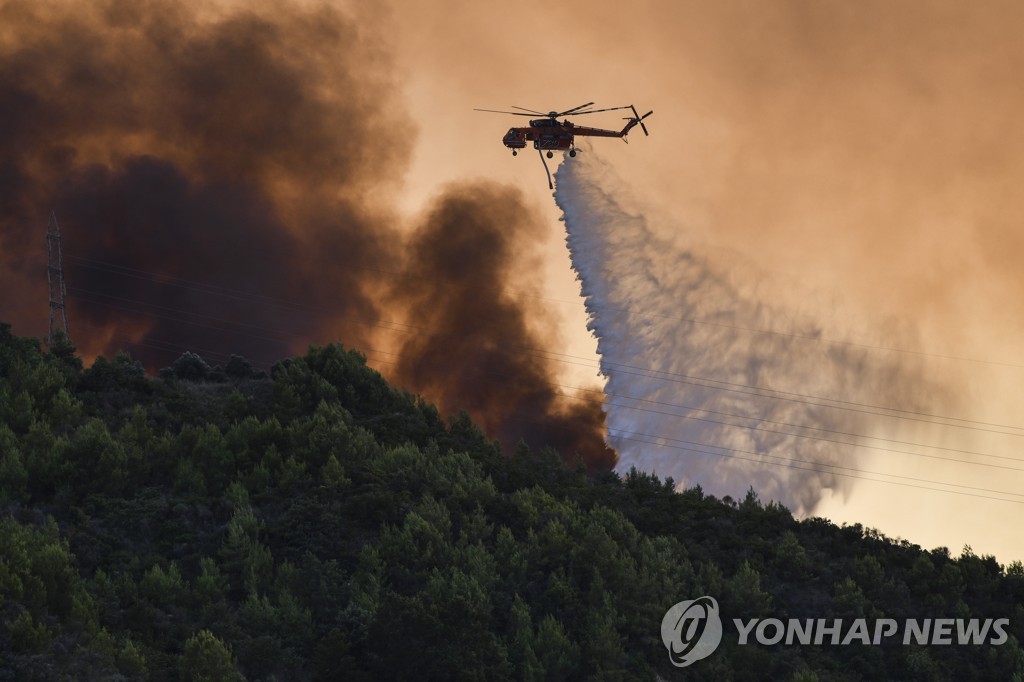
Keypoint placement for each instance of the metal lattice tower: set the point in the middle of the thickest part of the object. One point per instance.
(55, 277)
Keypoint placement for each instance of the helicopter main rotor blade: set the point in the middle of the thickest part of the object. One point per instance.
(567, 111)
(514, 113)
(597, 111)
(530, 110)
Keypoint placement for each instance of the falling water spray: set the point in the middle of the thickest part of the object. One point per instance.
(704, 378)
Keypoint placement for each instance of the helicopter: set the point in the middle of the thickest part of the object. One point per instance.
(550, 134)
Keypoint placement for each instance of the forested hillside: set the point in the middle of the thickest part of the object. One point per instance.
(317, 524)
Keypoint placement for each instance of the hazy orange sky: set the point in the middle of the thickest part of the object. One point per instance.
(848, 168)
(852, 163)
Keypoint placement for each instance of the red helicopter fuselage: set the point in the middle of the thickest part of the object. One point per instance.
(551, 134)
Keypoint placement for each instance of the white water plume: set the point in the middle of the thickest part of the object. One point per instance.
(709, 379)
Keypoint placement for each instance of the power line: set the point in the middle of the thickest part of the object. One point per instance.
(727, 424)
(792, 335)
(781, 423)
(623, 309)
(177, 310)
(681, 378)
(113, 268)
(648, 439)
(794, 464)
(648, 373)
(826, 440)
(670, 414)
(831, 473)
(605, 394)
(786, 462)
(176, 348)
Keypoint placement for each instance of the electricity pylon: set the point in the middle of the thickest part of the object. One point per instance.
(55, 278)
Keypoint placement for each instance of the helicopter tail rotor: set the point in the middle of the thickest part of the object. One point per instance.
(640, 119)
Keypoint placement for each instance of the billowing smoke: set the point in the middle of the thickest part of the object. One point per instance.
(472, 244)
(207, 172)
(707, 380)
(222, 176)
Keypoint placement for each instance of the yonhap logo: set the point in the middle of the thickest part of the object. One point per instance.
(691, 630)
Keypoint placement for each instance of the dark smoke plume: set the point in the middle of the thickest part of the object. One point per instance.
(462, 258)
(218, 175)
(230, 151)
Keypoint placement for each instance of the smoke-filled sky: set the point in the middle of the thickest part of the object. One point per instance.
(842, 170)
(714, 379)
(225, 180)
(253, 176)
